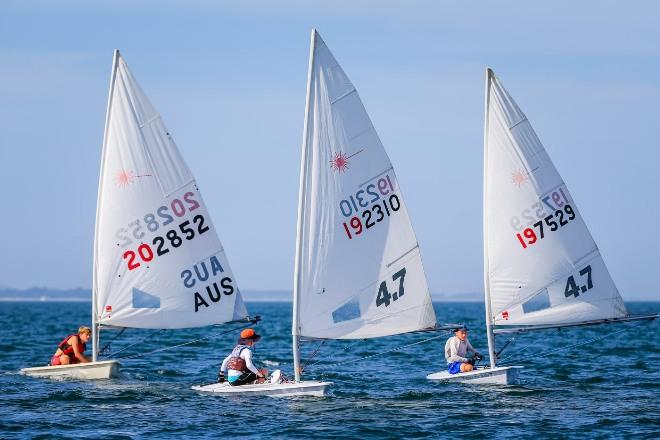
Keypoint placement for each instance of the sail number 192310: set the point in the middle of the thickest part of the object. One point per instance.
(384, 297)
(374, 202)
(372, 216)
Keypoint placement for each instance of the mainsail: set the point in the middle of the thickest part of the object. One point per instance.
(158, 261)
(359, 271)
(542, 265)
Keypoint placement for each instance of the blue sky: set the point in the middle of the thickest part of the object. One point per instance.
(229, 81)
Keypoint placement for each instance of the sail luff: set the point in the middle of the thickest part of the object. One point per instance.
(95, 330)
(295, 331)
(489, 313)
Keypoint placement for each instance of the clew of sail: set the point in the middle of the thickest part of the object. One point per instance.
(158, 261)
(543, 266)
(359, 265)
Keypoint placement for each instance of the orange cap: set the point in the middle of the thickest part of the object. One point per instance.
(247, 333)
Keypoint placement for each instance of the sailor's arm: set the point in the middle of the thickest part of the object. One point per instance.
(247, 356)
(223, 367)
(470, 348)
(76, 349)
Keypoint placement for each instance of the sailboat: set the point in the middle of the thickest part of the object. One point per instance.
(358, 268)
(158, 261)
(542, 268)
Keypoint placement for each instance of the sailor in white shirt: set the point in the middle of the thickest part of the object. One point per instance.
(238, 368)
(456, 351)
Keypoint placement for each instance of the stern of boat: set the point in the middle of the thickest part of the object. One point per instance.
(87, 371)
(509, 375)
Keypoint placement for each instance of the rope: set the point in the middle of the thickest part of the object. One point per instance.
(184, 343)
(387, 351)
(146, 338)
(343, 350)
(314, 353)
(107, 346)
(549, 352)
(506, 344)
(515, 353)
(434, 329)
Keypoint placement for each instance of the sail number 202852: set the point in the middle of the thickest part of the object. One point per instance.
(137, 229)
(163, 245)
(384, 297)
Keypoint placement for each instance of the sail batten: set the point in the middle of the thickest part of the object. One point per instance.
(158, 260)
(359, 272)
(543, 266)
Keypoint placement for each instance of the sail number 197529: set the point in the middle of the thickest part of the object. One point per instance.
(554, 221)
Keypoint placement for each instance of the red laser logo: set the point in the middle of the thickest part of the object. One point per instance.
(519, 177)
(340, 162)
(126, 177)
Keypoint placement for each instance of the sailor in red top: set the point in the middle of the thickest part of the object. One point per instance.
(71, 349)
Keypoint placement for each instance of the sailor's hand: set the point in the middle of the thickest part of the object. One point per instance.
(478, 356)
(221, 377)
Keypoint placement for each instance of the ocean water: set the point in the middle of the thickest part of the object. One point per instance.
(606, 389)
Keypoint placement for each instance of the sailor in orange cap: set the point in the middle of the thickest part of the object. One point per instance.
(238, 368)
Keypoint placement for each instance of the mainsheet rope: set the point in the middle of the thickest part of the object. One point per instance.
(146, 338)
(312, 356)
(102, 351)
(383, 352)
(543, 354)
(549, 352)
(194, 341)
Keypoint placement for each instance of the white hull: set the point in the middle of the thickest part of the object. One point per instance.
(481, 376)
(89, 370)
(287, 389)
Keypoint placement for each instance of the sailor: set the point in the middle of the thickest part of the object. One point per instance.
(456, 352)
(238, 367)
(71, 349)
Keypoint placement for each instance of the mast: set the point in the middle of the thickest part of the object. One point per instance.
(95, 326)
(489, 323)
(301, 212)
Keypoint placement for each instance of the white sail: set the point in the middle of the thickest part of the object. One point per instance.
(359, 267)
(158, 261)
(543, 267)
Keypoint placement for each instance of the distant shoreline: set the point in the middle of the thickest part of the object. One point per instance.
(41, 294)
(44, 294)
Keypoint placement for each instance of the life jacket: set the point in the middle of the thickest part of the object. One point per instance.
(236, 362)
(68, 349)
